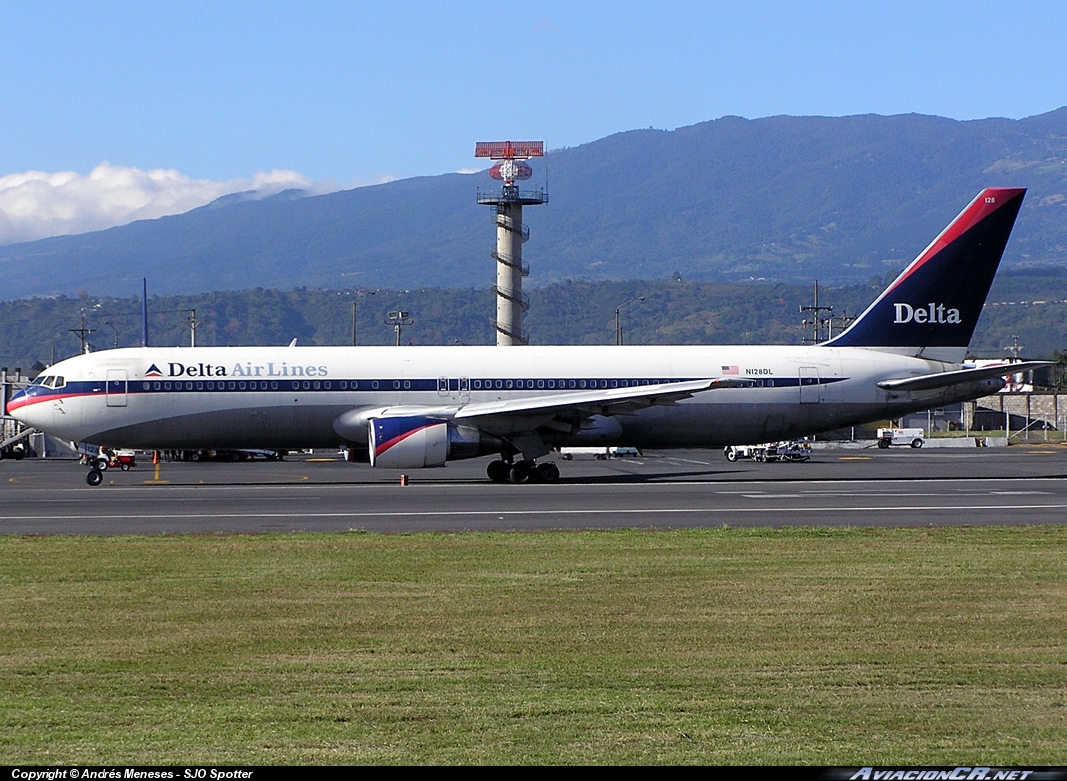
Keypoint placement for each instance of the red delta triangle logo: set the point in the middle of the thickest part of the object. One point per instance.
(153, 371)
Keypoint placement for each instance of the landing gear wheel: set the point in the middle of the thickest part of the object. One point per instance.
(95, 477)
(498, 471)
(520, 473)
(547, 473)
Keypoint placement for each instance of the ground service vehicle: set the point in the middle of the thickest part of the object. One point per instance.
(912, 437)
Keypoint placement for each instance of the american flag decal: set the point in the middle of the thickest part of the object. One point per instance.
(729, 370)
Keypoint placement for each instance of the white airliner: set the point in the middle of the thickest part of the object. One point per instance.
(413, 407)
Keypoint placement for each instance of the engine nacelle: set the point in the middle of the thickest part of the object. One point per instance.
(419, 441)
(408, 443)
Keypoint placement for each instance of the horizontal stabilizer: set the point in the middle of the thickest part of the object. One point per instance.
(948, 379)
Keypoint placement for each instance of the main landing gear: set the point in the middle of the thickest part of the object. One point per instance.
(523, 472)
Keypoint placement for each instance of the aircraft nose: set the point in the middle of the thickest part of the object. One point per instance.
(18, 406)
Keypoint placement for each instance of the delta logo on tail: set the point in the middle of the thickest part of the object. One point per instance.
(936, 300)
(153, 371)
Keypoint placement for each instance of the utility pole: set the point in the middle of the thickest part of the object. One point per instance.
(354, 302)
(843, 320)
(1014, 347)
(618, 325)
(816, 322)
(192, 322)
(83, 333)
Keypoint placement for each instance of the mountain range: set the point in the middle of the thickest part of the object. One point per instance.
(786, 199)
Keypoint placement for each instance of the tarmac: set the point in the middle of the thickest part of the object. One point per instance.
(661, 490)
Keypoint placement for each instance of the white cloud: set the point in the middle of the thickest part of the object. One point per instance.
(36, 204)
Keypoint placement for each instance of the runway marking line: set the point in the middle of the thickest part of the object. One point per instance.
(500, 514)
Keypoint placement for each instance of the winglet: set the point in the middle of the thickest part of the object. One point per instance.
(936, 300)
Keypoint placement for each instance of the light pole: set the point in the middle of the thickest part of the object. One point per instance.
(618, 325)
(398, 319)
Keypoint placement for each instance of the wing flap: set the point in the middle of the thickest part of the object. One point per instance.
(960, 376)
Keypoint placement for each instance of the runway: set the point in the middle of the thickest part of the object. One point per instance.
(678, 489)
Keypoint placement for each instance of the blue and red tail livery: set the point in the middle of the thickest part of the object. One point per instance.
(936, 301)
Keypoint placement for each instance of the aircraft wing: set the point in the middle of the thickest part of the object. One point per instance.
(605, 401)
(960, 376)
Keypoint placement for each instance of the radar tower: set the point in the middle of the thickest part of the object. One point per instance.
(511, 302)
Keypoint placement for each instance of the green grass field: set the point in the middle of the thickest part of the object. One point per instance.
(722, 646)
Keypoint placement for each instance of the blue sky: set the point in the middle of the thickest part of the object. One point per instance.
(342, 94)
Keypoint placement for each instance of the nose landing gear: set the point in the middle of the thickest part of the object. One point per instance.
(523, 472)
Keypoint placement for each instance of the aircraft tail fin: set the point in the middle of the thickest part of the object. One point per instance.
(936, 300)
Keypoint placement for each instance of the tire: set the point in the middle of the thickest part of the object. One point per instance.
(235, 456)
(95, 477)
(916, 443)
(101, 464)
(125, 467)
(498, 471)
(195, 456)
(520, 473)
(731, 454)
(883, 443)
(548, 473)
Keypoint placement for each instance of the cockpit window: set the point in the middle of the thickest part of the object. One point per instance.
(59, 383)
(39, 380)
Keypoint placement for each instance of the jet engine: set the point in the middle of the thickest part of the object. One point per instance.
(419, 441)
